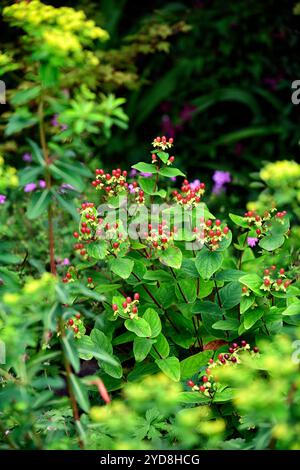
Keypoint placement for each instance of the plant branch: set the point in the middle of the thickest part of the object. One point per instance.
(48, 184)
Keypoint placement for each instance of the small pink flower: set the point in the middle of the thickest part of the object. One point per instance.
(42, 184)
(27, 157)
(2, 199)
(252, 241)
(29, 187)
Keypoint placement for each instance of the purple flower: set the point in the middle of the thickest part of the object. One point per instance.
(29, 187)
(186, 114)
(132, 172)
(66, 262)
(27, 157)
(167, 126)
(145, 175)
(173, 178)
(194, 184)
(131, 189)
(54, 121)
(42, 184)
(220, 178)
(2, 199)
(252, 241)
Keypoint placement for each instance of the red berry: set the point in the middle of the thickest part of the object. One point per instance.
(267, 272)
(209, 223)
(157, 139)
(208, 371)
(136, 296)
(243, 343)
(83, 252)
(76, 234)
(245, 289)
(287, 283)
(71, 322)
(204, 379)
(267, 282)
(211, 361)
(90, 280)
(171, 140)
(233, 359)
(124, 304)
(281, 271)
(255, 349)
(218, 222)
(134, 310)
(279, 282)
(190, 383)
(258, 231)
(115, 307)
(220, 356)
(225, 230)
(116, 245)
(77, 316)
(202, 388)
(68, 275)
(76, 329)
(235, 345)
(273, 267)
(231, 350)
(171, 159)
(128, 300)
(202, 185)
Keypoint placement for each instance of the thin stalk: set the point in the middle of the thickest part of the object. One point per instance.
(157, 352)
(68, 371)
(179, 287)
(48, 185)
(157, 303)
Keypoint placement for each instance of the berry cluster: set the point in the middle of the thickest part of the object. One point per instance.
(111, 184)
(189, 196)
(208, 384)
(129, 307)
(162, 142)
(258, 222)
(210, 233)
(275, 279)
(76, 325)
(159, 238)
(168, 162)
(70, 276)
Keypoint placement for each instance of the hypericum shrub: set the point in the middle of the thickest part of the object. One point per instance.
(176, 283)
(146, 292)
